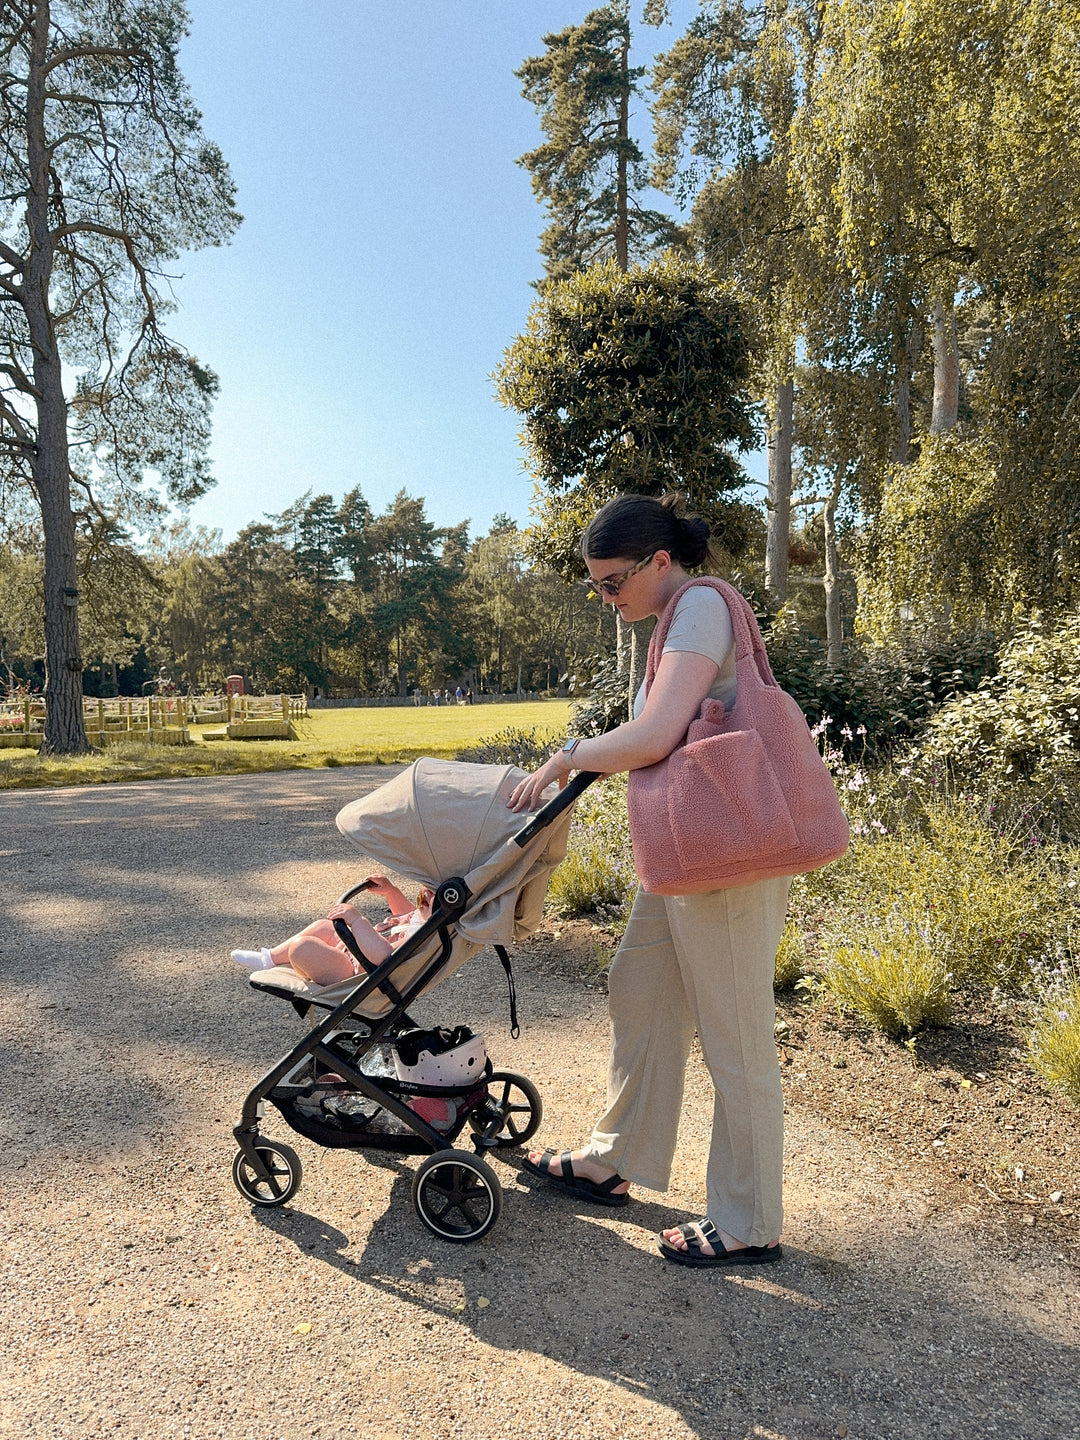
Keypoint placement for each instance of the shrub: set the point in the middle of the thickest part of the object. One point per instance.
(892, 974)
(887, 692)
(1054, 1041)
(597, 876)
(1023, 722)
(512, 746)
(978, 870)
(604, 702)
(790, 958)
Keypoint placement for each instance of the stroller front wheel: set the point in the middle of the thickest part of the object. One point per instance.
(512, 1112)
(457, 1195)
(283, 1181)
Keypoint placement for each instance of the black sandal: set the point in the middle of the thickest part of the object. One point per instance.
(597, 1192)
(698, 1231)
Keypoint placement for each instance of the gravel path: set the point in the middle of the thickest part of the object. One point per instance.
(143, 1298)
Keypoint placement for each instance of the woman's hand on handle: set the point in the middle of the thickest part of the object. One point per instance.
(529, 794)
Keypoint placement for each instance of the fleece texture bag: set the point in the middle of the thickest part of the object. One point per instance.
(746, 795)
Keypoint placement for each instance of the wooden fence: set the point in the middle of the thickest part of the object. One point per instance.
(161, 719)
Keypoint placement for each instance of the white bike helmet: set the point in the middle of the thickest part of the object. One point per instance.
(440, 1057)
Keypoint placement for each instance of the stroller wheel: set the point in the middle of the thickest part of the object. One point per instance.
(457, 1195)
(285, 1170)
(513, 1106)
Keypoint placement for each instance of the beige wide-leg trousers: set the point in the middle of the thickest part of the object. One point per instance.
(705, 963)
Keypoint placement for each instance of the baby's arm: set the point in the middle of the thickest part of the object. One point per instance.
(373, 946)
(380, 885)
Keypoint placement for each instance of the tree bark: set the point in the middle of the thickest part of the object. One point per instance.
(907, 355)
(834, 631)
(946, 406)
(778, 514)
(622, 217)
(65, 727)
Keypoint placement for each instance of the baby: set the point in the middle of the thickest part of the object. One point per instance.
(318, 955)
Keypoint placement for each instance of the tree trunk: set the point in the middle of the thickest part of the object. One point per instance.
(621, 637)
(778, 522)
(946, 371)
(639, 655)
(65, 727)
(622, 215)
(907, 355)
(834, 631)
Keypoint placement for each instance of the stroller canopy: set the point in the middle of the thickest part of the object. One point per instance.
(441, 818)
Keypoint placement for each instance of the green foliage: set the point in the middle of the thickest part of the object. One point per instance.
(1023, 723)
(791, 958)
(631, 381)
(983, 879)
(877, 694)
(589, 172)
(892, 973)
(1054, 1039)
(602, 705)
(513, 746)
(597, 877)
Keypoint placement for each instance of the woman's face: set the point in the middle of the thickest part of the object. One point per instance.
(638, 583)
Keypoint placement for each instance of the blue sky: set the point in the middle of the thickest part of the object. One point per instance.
(387, 251)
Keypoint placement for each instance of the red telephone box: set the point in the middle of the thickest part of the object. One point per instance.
(234, 685)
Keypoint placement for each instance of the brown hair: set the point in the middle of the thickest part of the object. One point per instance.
(630, 527)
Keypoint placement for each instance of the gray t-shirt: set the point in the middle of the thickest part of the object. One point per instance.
(702, 624)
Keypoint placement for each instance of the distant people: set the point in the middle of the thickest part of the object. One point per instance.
(459, 695)
(469, 696)
(417, 696)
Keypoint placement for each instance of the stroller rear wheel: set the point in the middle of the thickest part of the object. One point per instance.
(281, 1161)
(513, 1106)
(457, 1195)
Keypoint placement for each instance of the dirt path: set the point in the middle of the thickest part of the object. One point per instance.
(143, 1298)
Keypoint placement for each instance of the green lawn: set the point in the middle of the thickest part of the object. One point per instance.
(383, 735)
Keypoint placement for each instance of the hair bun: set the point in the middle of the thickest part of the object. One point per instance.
(693, 540)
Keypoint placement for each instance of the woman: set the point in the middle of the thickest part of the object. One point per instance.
(701, 962)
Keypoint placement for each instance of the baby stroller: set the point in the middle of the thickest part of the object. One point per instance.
(367, 1076)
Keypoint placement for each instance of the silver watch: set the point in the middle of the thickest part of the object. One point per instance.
(570, 746)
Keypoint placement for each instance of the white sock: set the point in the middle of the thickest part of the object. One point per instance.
(254, 959)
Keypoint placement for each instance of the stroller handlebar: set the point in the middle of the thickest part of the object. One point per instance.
(547, 813)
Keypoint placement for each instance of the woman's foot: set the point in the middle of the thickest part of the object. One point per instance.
(579, 1174)
(700, 1243)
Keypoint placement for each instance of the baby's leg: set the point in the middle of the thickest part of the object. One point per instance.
(321, 930)
(325, 963)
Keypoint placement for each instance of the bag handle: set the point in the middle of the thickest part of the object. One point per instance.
(749, 646)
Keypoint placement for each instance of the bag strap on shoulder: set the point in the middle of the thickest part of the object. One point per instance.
(749, 645)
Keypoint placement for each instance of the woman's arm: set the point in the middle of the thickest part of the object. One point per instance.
(683, 679)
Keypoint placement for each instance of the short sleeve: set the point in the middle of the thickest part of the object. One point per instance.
(702, 624)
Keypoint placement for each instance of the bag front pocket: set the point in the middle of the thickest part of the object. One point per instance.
(725, 804)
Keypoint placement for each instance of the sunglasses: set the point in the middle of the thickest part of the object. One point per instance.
(611, 586)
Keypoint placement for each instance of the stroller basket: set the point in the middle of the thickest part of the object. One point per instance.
(333, 1087)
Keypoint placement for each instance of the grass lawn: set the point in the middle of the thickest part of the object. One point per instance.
(380, 735)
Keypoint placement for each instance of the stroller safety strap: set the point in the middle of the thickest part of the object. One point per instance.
(348, 939)
(515, 1028)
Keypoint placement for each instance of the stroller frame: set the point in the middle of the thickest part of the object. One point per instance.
(457, 1195)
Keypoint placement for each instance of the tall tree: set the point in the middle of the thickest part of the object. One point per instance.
(590, 172)
(105, 177)
(726, 95)
(635, 382)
